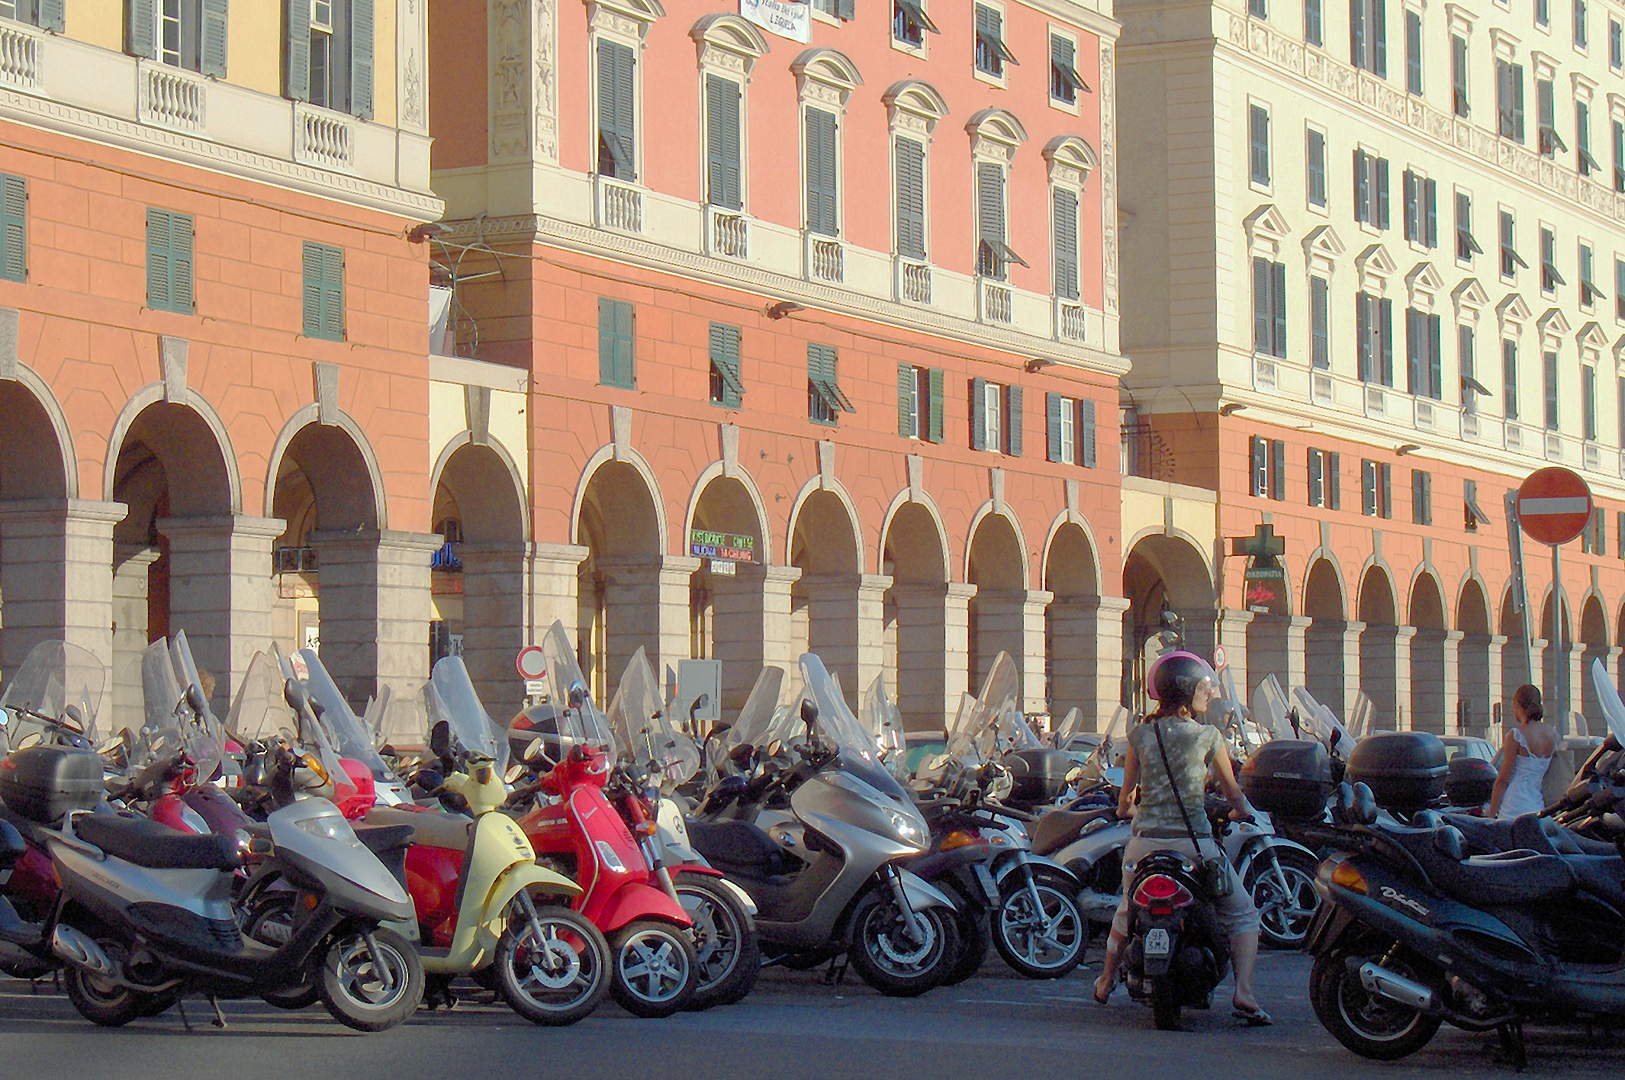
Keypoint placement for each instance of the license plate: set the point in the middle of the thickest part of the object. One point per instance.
(1156, 942)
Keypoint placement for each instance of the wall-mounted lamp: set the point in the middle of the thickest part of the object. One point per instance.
(1231, 408)
(1406, 448)
(1037, 363)
(419, 233)
(783, 308)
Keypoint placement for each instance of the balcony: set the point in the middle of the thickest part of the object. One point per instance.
(1320, 388)
(323, 138)
(1424, 417)
(826, 259)
(727, 234)
(1071, 321)
(1513, 435)
(1376, 400)
(19, 57)
(1265, 375)
(1593, 457)
(172, 98)
(619, 205)
(913, 281)
(1554, 446)
(995, 302)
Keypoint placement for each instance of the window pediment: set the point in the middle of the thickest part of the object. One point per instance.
(630, 18)
(1323, 247)
(1619, 351)
(1375, 266)
(1470, 299)
(1591, 341)
(728, 42)
(1266, 228)
(826, 75)
(1503, 44)
(1423, 285)
(914, 105)
(996, 133)
(1070, 159)
(1512, 313)
(1552, 327)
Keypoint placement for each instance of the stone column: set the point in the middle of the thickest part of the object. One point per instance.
(956, 649)
(1035, 696)
(1276, 645)
(132, 562)
(1490, 721)
(1385, 674)
(56, 575)
(220, 592)
(1201, 631)
(1232, 629)
(871, 630)
(1476, 683)
(832, 625)
(374, 593)
(778, 582)
(1012, 621)
(647, 607)
(496, 615)
(1426, 702)
(555, 583)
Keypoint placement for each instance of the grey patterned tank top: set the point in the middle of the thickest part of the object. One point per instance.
(1191, 747)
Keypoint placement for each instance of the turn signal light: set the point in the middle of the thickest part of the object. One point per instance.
(960, 838)
(645, 828)
(1351, 879)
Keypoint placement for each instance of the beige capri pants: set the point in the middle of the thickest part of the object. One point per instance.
(1236, 913)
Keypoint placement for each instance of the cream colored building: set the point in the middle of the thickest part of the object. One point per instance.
(1372, 270)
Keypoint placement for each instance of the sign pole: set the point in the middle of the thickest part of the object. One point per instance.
(1520, 591)
(1560, 666)
(1554, 506)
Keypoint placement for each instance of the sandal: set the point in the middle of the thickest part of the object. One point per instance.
(1255, 1017)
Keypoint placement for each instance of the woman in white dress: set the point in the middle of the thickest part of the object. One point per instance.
(1525, 756)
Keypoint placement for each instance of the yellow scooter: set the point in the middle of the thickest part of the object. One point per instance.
(474, 883)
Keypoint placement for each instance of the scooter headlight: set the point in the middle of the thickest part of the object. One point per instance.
(907, 827)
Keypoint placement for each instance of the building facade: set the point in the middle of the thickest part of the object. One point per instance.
(819, 313)
(214, 371)
(1376, 256)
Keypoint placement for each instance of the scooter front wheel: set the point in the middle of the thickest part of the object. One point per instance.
(371, 985)
(1038, 928)
(726, 949)
(654, 969)
(558, 978)
(890, 958)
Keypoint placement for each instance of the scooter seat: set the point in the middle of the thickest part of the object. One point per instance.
(1487, 836)
(154, 846)
(432, 828)
(381, 838)
(737, 845)
(1509, 877)
(1058, 828)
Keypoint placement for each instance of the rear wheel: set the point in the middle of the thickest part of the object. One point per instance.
(1041, 937)
(727, 954)
(1165, 1003)
(371, 986)
(892, 960)
(270, 922)
(104, 1001)
(1371, 1026)
(654, 970)
(975, 939)
(555, 979)
(1284, 915)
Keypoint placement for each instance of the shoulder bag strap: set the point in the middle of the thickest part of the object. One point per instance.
(1179, 801)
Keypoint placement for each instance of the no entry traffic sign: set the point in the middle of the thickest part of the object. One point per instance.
(531, 662)
(1554, 505)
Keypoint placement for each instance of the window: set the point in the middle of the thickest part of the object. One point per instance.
(1619, 535)
(1368, 36)
(1588, 401)
(991, 52)
(45, 14)
(1421, 209)
(188, 34)
(722, 143)
(995, 417)
(1467, 365)
(1413, 51)
(1619, 155)
(1071, 427)
(1258, 8)
(1509, 99)
(1546, 117)
(1424, 374)
(1374, 331)
(1320, 334)
(1616, 44)
(1421, 497)
(1510, 259)
(910, 199)
(1548, 372)
(1370, 189)
(1269, 307)
(169, 262)
(1064, 81)
(1472, 516)
(1619, 293)
(1258, 128)
(823, 185)
(1589, 293)
(1268, 467)
(617, 143)
(825, 401)
(1376, 488)
(1317, 167)
(1550, 279)
(13, 228)
(1509, 378)
(1458, 75)
(1312, 23)
(919, 402)
(1621, 410)
(841, 9)
(1466, 246)
(910, 23)
(615, 350)
(727, 388)
(993, 255)
(1066, 243)
(1543, 12)
(328, 54)
(1592, 540)
(1580, 35)
(324, 291)
(1324, 487)
(1582, 139)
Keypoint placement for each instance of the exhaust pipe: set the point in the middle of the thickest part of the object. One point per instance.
(1386, 984)
(79, 950)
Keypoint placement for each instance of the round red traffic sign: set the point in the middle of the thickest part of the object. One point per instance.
(531, 662)
(1554, 505)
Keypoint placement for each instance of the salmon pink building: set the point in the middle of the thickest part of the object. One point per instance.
(818, 309)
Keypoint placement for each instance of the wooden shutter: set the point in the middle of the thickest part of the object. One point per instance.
(1357, 33)
(615, 343)
(1258, 452)
(910, 199)
(312, 294)
(158, 272)
(1413, 52)
(1278, 308)
(1259, 145)
(1363, 336)
(1086, 433)
(1413, 216)
(53, 15)
(296, 49)
(141, 27)
(1013, 420)
(1382, 193)
(1320, 350)
(937, 405)
(1334, 490)
(1317, 478)
(333, 293)
(1379, 38)
(13, 228)
(1385, 326)
(821, 183)
(1430, 213)
(1435, 358)
(1261, 305)
(180, 262)
(725, 356)
(1277, 469)
(722, 142)
(1362, 188)
(990, 215)
(1387, 472)
(846, 9)
(1053, 404)
(907, 381)
(361, 65)
(1517, 102)
(978, 421)
(1414, 383)
(212, 50)
(1066, 244)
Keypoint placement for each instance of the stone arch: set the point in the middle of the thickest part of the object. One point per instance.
(371, 506)
(826, 547)
(1514, 664)
(1327, 666)
(619, 519)
(1164, 571)
(727, 611)
(914, 504)
(478, 588)
(1594, 647)
(1383, 649)
(1432, 678)
(37, 455)
(1073, 630)
(627, 460)
(716, 471)
(1557, 630)
(996, 564)
(153, 394)
(914, 557)
(1477, 665)
(1021, 564)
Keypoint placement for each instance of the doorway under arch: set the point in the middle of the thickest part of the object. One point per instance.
(1379, 651)
(997, 611)
(1171, 604)
(825, 601)
(34, 468)
(1326, 654)
(1072, 630)
(618, 593)
(1431, 677)
(1476, 681)
(727, 609)
(916, 635)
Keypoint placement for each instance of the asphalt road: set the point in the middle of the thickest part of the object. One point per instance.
(994, 1026)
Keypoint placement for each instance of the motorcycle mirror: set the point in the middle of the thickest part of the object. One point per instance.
(741, 755)
(775, 748)
(440, 740)
(535, 750)
(28, 741)
(809, 713)
(577, 695)
(195, 700)
(294, 693)
(515, 771)
(75, 718)
(428, 779)
(701, 702)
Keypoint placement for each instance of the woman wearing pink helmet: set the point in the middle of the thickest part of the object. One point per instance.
(1171, 795)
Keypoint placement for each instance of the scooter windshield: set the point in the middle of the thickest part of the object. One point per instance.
(1270, 710)
(1613, 709)
(260, 711)
(643, 730)
(1321, 722)
(1108, 754)
(884, 721)
(974, 738)
(53, 676)
(459, 705)
(347, 734)
(760, 721)
(205, 742)
(581, 722)
(839, 728)
(1068, 728)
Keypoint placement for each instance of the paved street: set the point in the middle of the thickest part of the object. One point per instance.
(994, 1026)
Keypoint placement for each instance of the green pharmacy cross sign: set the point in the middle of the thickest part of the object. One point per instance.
(1264, 569)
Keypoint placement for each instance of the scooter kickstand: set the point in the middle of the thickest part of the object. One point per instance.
(1512, 1044)
(837, 970)
(186, 1022)
(219, 1017)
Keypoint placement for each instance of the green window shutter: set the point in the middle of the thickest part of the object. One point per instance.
(625, 345)
(1053, 404)
(978, 425)
(906, 383)
(180, 263)
(990, 218)
(312, 294)
(296, 49)
(1013, 425)
(616, 156)
(1066, 244)
(361, 66)
(1382, 193)
(13, 228)
(910, 199)
(1334, 483)
(141, 28)
(1385, 309)
(1086, 434)
(333, 293)
(722, 142)
(616, 344)
(821, 173)
(938, 401)
(725, 359)
(1277, 469)
(846, 9)
(53, 15)
(1261, 305)
(1278, 308)
(158, 258)
(213, 48)
(1320, 346)
(1430, 213)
